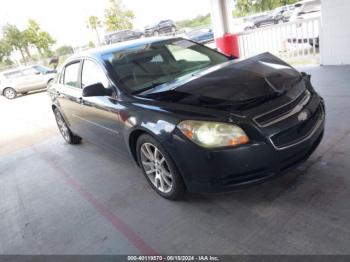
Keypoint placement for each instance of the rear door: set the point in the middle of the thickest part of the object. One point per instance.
(33, 79)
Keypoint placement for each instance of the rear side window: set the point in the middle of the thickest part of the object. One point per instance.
(13, 74)
(71, 75)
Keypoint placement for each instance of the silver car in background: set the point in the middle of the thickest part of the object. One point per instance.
(25, 79)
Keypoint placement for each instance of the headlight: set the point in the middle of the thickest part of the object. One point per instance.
(213, 134)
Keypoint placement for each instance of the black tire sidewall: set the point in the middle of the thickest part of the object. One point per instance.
(178, 188)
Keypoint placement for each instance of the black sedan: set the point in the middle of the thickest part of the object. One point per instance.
(122, 35)
(191, 118)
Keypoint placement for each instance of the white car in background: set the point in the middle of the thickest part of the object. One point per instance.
(25, 79)
(305, 23)
(242, 24)
(306, 10)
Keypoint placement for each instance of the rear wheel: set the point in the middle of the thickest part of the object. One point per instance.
(64, 129)
(10, 93)
(159, 169)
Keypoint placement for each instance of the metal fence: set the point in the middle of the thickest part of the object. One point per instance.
(287, 40)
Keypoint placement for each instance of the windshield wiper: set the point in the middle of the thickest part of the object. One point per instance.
(153, 85)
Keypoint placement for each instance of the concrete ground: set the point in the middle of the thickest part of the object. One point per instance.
(62, 199)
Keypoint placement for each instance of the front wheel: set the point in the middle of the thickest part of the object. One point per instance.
(159, 169)
(64, 129)
(10, 93)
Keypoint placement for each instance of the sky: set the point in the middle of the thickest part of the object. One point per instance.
(66, 20)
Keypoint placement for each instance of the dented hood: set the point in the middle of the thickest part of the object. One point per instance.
(232, 83)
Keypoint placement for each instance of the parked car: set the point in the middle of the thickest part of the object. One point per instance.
(163, 27)
(306, 10)
(269, 18)
(24, 80)
(306, 32)
(202, 35)
(122, 35)
(242, 24)
(286, 12)
(191, 118)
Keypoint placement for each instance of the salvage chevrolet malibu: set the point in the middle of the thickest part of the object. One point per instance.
(191, 118)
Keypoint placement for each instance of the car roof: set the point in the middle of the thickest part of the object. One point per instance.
(97, 52)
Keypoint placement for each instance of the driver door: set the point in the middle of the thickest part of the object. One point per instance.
(98, 117)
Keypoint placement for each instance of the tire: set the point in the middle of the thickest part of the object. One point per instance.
(66, 133)
(10, 93)
(156, 33)
(165, 179)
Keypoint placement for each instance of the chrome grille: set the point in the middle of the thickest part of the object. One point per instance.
(278, 114)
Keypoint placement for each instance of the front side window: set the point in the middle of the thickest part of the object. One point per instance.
(92, 74)
(148, 65)
(71, 75)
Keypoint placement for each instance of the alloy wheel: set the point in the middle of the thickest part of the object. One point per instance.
(62, 126)
(156, 167)
(10, 93)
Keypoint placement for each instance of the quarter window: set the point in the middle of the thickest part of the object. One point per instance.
(71, 75)
(13, 74)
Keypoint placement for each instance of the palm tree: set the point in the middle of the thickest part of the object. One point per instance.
(94, 23)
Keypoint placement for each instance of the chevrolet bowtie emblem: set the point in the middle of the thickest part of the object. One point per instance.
(303, 116)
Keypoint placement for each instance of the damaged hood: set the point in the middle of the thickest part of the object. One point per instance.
(232, 83)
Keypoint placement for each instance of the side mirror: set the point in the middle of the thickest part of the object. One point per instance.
(95, 90)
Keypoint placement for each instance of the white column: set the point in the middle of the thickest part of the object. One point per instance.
(221, 17)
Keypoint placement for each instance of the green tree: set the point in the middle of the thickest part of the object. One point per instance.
(200, 20)
(42, 40)
(64, 50)
(91, 44)
(5, 50)
(116, 17)
(245, 7)
(14, 38)
(94, 23)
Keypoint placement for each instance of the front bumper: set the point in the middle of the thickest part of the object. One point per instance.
(220, 170)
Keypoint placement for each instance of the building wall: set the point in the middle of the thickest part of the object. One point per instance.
(335, 35)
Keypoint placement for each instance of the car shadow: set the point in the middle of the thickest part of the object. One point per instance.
(267, 191)
(19, 96)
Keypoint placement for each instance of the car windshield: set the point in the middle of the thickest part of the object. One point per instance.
(147, 65)
(42, 69)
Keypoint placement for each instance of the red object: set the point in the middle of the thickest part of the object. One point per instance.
(228, 44)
